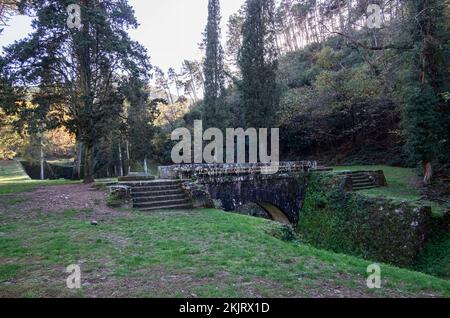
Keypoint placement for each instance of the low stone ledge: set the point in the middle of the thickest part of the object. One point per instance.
(121, 191)
(188, 171)
(136, 177)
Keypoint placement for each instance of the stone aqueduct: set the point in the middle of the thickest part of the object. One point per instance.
(281, 194)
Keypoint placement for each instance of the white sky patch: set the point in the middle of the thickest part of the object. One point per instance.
(171, 29)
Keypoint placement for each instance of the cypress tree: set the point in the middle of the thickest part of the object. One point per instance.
(213, 69)
(258, 63)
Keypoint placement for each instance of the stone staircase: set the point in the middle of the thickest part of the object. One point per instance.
(362, 181)
(158, 195)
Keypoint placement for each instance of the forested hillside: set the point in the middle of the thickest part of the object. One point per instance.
(342, 92)
(354, 96)
(345, 81)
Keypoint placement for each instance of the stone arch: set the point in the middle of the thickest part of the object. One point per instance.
(275, 212)
(281, 197)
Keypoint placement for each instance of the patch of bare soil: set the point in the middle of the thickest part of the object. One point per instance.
(159, 282)
(60, 199)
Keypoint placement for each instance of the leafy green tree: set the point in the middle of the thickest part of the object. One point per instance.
(213, 69)
(78, 70)
(258, 64)
(141, 114)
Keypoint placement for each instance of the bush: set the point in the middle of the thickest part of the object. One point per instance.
(282, 232)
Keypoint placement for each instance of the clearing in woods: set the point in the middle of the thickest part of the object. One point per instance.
(187, 253)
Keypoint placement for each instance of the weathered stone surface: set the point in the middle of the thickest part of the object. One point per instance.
(201, 171)
(230, 186)
(135, 176)
(119, 196)
(120, 191)
(280, 195)
(198, 195)
(374, 228)
(253, 209)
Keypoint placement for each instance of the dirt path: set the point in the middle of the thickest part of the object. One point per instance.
(58, 199)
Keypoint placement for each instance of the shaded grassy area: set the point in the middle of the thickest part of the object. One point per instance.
(400, 185)
(435, 259)
(194, 253)
(197, 253)
(14, 180)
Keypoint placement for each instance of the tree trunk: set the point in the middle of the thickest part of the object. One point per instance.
(128, 158)
(194, 90)
(88, 164)
(42, 156)
(145, 166)
(120, 161)
(427, 172)
(78, 160)
(83, 51)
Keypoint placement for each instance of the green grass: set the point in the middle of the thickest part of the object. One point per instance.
(12, 172)
(435, 260)
(195, 253)
(400, 186)
(61, 163)
(8, 271)
(13, 179)
(207, 253)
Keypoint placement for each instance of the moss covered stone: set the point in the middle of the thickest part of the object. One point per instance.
(374, 228)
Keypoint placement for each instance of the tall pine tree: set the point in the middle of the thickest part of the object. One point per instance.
(78, 70)
(258, 63)
(213, 69)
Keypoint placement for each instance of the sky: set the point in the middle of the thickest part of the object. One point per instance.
(170, 29)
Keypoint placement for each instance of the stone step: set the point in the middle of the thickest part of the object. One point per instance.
(362, 175)
(159, 198)
(363, 184)
(362, 181)
(155, 188)
(170, 207)
(136, 178)
(155, 193)
(364, 188)
(160, 204)
(360, 178)
(151, 183)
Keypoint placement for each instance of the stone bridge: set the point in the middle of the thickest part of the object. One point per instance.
(281, 194)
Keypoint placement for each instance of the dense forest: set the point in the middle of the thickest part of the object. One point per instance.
(346, 81)
(341, 90)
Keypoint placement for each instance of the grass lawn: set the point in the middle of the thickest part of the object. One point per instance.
(192, 253)
(197, 253)
(14, 180)
(400, 185)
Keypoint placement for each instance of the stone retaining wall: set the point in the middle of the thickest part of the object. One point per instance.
(373, 228)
